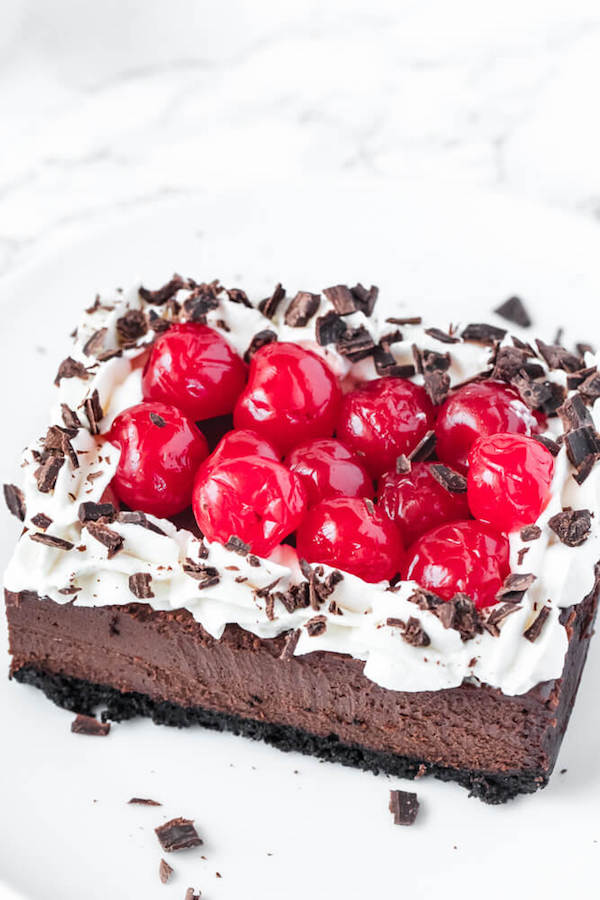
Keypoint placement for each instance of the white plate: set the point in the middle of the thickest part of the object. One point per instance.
(280, 825)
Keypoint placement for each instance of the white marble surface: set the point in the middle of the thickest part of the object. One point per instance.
(112, 106)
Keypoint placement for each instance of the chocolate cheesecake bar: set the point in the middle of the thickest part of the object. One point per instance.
(327, 570)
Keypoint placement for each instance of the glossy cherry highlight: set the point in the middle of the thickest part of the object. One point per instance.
(291, 396)
(236, 444)
(416, 502)
(161, 450)
(460, 557)
(349, 534)
(509, 481)
(254, 498)
(329, 469)
(193, 367)
(477, 410)
(383, 419)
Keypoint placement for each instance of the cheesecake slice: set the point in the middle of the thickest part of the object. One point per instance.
(319, 522)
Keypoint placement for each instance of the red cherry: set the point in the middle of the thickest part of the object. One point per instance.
(236, 444)
(292, 395)
(477, 410)
(383, 419)
(161, 450)
(256, 499)
(194, 368)
(416, 502)
(465, 557)
(509, 481)
(351, 535)
(329, 469)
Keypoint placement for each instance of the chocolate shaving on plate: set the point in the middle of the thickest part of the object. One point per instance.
(513, 310)
(15, 501)
(404, 806)
(261, 339)
(160, 296)
(301, 309)
(269, 306)
(111, 539)
(140, 585)
(164, 870)
(452, 481)
(89, 725)
(572, 526)
(91, 512)
(178, 834)
(535, 629)
(51, 540)
(41, 521)
(143, 801)
(70, 368)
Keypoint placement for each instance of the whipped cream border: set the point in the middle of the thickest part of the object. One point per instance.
(356, 624)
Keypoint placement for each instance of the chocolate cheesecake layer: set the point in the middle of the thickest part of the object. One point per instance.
(137, 660)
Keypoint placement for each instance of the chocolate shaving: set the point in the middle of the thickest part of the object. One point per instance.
(57, 443)
(237, 295)
(269, 306)
(513, 361)
(483, 333)
(535, 629)
(41, 521)
(51, 540)
(301, 309)
(426, 599)
(461, 614)
(521, 555)
(557, 357)
(451, 481)
(164, 870)
(158, 324)
(404, 806)
(407, 320)
(575, 379)
(157, 420)
(89, 725)
(290, 644)
(572, 526)
(160, 296)
(412, 631)
(582, 444)
(513, 310)
(403, 465)
(329, 329)
(69, 417)
(261, 339)
(385, 363)
(424, 448)
(112, 540)
(429, 361)
(70, 368)
(94, 412)
(191, 894)
(206, 576)
(355, 344)
(515, 586)
(316, 626)
(552, 446)
(143, 801)
(15, 501)
(365, 299)
(238, 546)
(47, 473)
(95, 344)
(132, 326)
(437, 385)
(136, 517)
(342, 299)
(497, 615)
(178, 834)
(590, 387)
(443, 336)
(203, 299)
(546, 396)
(531, 532)
(91, 512)
(109, 354)
(140, 585)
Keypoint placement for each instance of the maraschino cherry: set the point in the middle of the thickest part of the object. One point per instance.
(460, 557)
(253, 498)
(193, 367)
(291, 396)
(416, 502)
(383, 419)
(509, 480)
(477, 410)
(353, 535)
(329, 469)
(239, 443)
(161, 450)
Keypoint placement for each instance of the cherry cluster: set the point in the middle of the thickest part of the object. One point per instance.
(307, 463)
